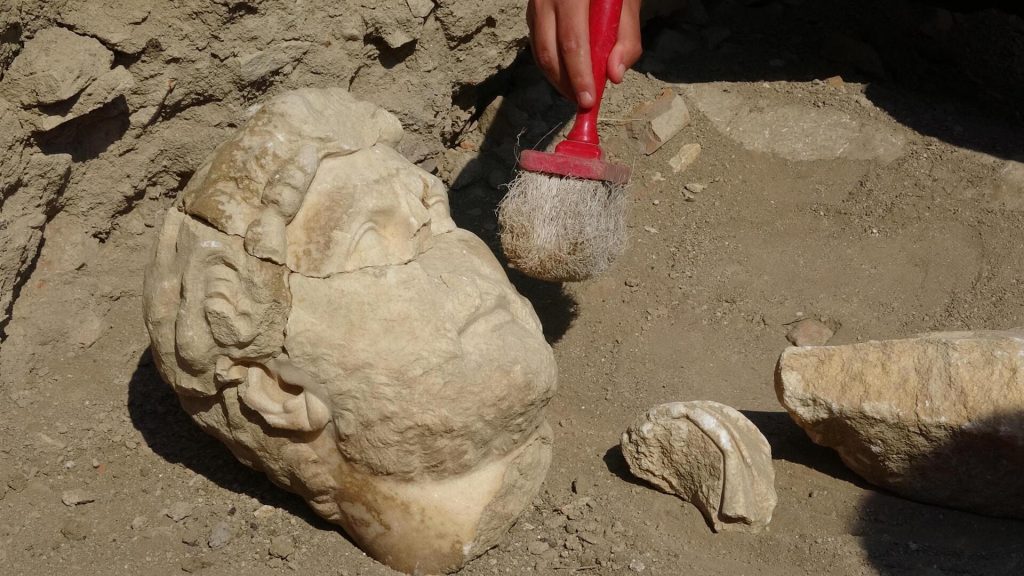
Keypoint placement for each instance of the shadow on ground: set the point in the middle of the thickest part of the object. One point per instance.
(954, 76)
(170, 433)
(617, 465)
(791, 444)
(903, 537)
(983, 470)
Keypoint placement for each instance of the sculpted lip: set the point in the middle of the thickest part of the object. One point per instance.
(492, 314)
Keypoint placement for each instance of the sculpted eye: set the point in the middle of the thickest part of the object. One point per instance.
(222, 282)
(368, 244)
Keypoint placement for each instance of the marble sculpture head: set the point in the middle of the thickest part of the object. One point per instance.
(315, 308)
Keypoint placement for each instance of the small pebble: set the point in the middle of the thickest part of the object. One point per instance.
(636, 566)
(282, 546)
(695, 187)
(632, 282)
(264, 512)
(556, 521)
(193, 537)
(75, 529)
(538, 547)
(835, 82)
(17, 481)
(219, 536)
(179, 511)
(138, 523)
(76, 497)
(194, 564)
(809, 332)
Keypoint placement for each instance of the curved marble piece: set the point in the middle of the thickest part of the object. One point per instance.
(709, 455)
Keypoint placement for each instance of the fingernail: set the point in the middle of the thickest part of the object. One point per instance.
(585, 99)
(621, 70)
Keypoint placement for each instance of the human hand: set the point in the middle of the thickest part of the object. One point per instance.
(560, 39)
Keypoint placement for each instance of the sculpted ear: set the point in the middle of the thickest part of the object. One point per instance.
(279, 392)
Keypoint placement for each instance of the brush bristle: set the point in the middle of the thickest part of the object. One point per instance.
(562, 229)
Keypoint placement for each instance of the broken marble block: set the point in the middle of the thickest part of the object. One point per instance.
(709, 455)
(316, 309)
(658, 121)
(937, 418)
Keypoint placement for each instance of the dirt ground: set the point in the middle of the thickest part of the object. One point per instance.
(916, 226)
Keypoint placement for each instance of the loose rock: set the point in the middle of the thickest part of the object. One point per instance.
(538, 547)
(685, 158)
(16, 481)
(266, 62)
(195, 564)
(179, 511)
(54, 66)
(809, 332)
(220, 535)
(282, 546)
(659, 121)
(76, 497)
(709, 455)
(104, 89)
(937, 418)
(263, 512)
(75, 529)
(121, 25)
(420, 8)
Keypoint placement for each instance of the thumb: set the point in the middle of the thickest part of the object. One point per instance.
(628, 48)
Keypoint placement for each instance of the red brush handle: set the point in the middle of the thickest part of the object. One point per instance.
(604, 31)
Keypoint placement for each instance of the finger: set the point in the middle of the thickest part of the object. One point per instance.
(540, 17)
(628, 47)
(574, 48)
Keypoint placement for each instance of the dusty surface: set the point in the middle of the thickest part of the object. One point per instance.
(105, 474)
(936, 418)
